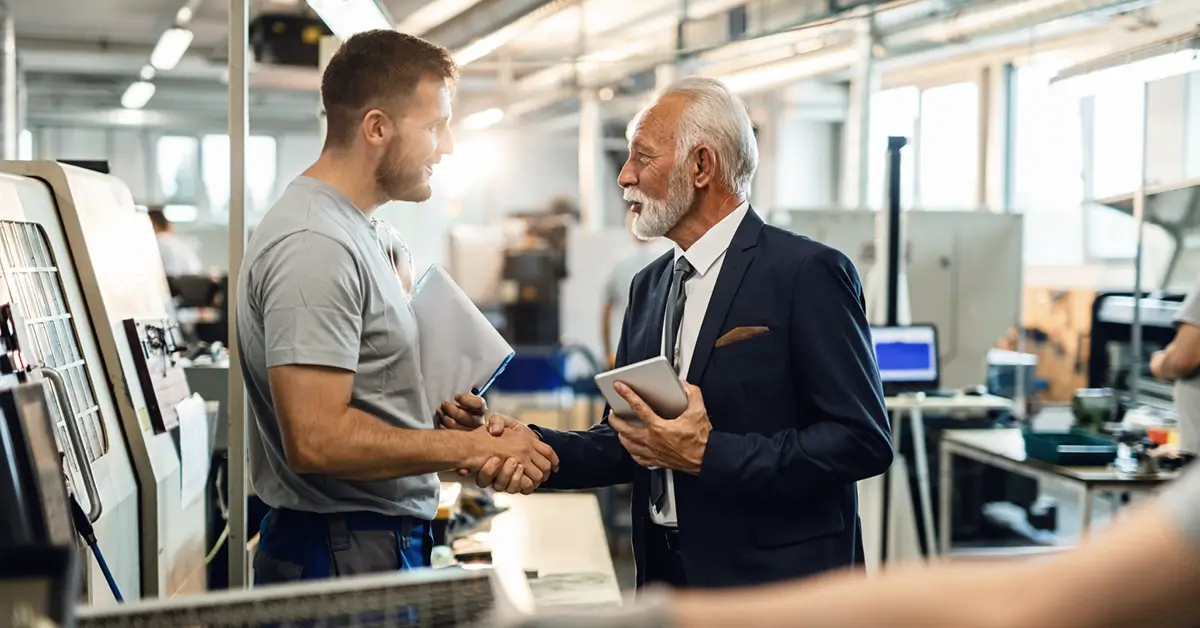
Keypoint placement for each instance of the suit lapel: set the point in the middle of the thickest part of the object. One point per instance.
(658, 305)
(738, 258)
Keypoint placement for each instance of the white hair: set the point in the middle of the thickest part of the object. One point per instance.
(713, 115)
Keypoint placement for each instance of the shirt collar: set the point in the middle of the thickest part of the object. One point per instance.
(708, 249)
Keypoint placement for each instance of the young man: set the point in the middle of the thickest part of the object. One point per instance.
(344, 451)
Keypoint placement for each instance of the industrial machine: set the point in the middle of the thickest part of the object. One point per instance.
(38, 558)
(963, 274)
(1111, 363)
(83, 268)
(428, 597)
(43, 288)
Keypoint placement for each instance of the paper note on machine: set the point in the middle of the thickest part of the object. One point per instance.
(460, 349)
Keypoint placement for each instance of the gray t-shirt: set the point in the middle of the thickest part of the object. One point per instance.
(317, 289)
(1187, 390)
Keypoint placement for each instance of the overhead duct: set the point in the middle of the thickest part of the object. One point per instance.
(749, 66)
(996, 18)
(977, 21)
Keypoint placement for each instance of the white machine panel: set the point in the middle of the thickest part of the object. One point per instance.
(121, 275)
(42, 284)
(964, 274)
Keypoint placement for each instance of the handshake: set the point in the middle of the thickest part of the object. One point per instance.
(503, 452)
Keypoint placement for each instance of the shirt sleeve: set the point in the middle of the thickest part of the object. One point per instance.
(312, 300)
(1182, 500)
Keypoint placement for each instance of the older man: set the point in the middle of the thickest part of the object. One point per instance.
(755, 482)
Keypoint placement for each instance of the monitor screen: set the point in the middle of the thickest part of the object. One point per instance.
(906, 354)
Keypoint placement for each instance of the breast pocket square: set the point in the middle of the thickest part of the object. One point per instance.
(738, 334)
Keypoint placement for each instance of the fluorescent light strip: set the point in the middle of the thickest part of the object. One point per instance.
(482, 119)
(347, 18)
(170, 48)
(1176, 63)
(433, 14)
(801, 67)
(137, 95)
(486, 45)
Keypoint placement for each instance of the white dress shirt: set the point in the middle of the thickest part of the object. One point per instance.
(706, 256)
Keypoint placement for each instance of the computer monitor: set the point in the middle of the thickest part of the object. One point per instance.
(907, 358)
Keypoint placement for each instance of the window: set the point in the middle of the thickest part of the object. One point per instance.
(261, 167)
(893, 112)
(176, 159)
(25, 144)
(1116, 140)
(1047, 161)
(948, 147)
(215, 172)
(261, 171)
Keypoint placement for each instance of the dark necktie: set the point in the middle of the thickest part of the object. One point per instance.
(676, 299)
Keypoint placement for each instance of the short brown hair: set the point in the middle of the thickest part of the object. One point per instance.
(373, 69)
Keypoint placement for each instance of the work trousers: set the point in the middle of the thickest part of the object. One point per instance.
(294, 545)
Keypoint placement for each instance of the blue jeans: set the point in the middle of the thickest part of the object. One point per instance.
(295, 545)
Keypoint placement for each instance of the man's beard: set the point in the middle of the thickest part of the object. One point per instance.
(658, 217)
(395, 182)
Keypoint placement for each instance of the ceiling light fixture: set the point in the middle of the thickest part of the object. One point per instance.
(1165, 59)
(146, 73)
(433, 14)
(170, 48)
(347, 18)
(485, 46)
(796, 69)
(137, 95)
(482, 119)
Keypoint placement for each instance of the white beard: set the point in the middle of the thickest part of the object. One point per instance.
(658, 217)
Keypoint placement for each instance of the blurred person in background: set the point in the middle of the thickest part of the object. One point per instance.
(178, 258)
(616, 292)
(1179, 363)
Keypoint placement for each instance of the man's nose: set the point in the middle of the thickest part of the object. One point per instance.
(626, 178)
(446, 145)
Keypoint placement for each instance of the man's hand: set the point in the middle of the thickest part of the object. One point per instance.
(466, 412)
(1156, 364)
(666, 443)
(526, 460)
(501, 474)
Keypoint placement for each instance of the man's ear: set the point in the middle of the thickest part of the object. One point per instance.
(374, 126)
(706, 166)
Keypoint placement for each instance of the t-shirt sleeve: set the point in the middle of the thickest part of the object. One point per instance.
(312, 300)
(1189, 312)
(1182, 500)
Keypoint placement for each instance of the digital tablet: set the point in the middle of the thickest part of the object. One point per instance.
(653, 380)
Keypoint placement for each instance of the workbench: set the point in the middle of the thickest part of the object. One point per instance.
(559, 536)
(1005, 449)
(913, 408)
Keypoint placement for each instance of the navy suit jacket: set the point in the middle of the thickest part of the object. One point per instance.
(797, 415)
